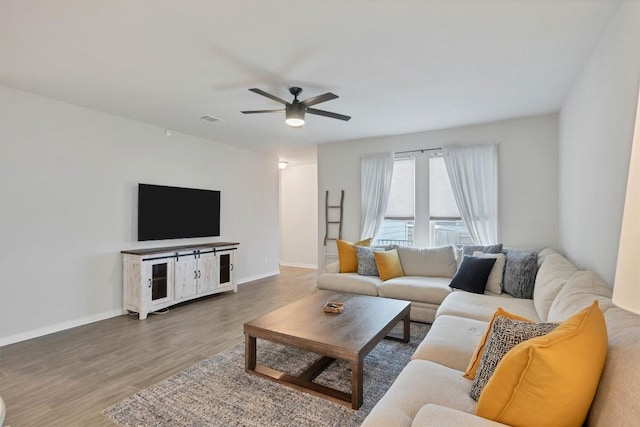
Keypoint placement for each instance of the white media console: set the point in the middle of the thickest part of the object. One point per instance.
(157, 278)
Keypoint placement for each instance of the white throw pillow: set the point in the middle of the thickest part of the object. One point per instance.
(494, 282)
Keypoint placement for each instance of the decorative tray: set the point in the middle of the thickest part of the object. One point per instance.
(334, 307)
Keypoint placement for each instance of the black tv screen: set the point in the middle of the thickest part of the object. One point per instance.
(177, 213)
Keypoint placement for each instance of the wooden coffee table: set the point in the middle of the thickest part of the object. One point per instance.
(348, 336)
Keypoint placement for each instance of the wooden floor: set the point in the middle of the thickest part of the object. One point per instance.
(68, 378)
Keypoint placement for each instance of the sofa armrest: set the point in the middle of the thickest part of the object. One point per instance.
(431, 415)
(334, 267)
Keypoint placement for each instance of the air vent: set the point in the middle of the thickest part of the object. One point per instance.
(210, 119)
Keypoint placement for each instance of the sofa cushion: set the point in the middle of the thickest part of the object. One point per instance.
(350, 282)
(543, 254)
(520, 273)
(552, 276)
(429, 262)
(388, 263)
(347, 254)
(494, 281)
(419, 384)
(616, 402)
(505, 335)
(549, 380)
(431, 415)
(333, 267)
(492, 249)
(482, 307)
(579, 292)
(416, 288)
(473, 274)
(474, 361)
(451, 341)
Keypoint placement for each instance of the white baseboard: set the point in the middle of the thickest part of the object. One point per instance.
(293, 264)
(23, 336)
(11, 339)
(258, 277)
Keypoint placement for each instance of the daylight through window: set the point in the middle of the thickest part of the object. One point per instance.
(422, 210)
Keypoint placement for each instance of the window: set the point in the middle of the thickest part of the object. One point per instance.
(399, 218)
(445, 223)
(422, 210)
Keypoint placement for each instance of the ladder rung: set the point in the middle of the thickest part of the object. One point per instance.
(333, 222)
(331, 238)
(334, 207)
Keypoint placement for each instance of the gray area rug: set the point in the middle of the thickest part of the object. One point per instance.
(218, 392)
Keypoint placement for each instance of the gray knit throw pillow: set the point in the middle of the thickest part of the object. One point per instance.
(520, 273)
(505, 334)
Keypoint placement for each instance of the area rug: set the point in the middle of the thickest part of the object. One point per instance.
(218, 392)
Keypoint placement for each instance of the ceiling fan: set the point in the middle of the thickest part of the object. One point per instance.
(295, 111)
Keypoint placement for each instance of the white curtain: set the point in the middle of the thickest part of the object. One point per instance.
(375, 185)
(473, 172)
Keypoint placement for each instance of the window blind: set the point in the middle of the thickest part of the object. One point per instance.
(402, 198)
(442, 204)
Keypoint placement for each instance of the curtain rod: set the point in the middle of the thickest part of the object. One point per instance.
(418, 151)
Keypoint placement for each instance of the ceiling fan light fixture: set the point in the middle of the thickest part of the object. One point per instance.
(295, 115)
(294, 122)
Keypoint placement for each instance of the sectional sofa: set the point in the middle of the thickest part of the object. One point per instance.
(427, 274)
(431, 390)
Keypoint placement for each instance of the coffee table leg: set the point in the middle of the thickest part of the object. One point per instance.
(356, 384)
(249, 353)
(407, 328)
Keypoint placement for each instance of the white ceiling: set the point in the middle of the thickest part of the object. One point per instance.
(398, 66)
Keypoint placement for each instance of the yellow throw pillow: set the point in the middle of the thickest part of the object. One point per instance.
(470, 373)
(388, 263)
(347, 255)
(549, 380)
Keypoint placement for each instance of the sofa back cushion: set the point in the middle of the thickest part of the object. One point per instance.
(544, 253)
(491, 249)
(429, 262)
(579, 292)
(616, 402)
(554, 272)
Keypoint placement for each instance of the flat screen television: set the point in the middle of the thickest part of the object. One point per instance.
(177, 213)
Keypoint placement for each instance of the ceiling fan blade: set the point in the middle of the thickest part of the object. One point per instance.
(268, 95)
(318, 99)
(328, 114)
(263, 111)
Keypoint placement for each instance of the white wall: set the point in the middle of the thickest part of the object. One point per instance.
(68, 187)
(299, 216)
(528, 169)
(596, 131)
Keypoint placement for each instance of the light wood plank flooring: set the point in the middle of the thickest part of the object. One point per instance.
(68, 378)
